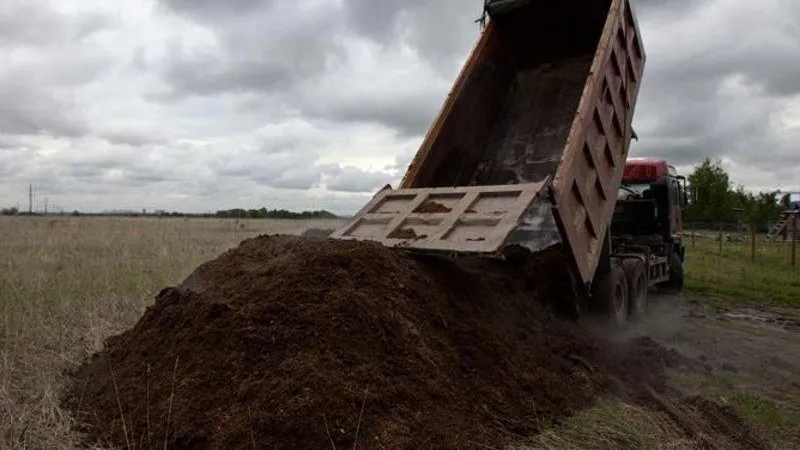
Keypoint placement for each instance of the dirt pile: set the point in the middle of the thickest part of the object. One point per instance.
(301, 342)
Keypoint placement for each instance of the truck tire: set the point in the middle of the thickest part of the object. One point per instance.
(675, 283)
(611, 296)
(636, 277)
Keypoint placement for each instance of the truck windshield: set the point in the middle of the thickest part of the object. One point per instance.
(631, 191)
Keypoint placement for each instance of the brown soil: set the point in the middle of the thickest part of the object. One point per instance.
(303, 342)
(405, 233)
(431, 207)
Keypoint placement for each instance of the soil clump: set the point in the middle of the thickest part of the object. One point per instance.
(306, 342)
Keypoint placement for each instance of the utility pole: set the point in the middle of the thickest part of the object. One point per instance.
(45, 206)
(30, 199)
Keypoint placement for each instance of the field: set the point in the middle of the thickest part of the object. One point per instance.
(733, 273)
(67, 284)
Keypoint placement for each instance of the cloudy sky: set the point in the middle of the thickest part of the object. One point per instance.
(198, 105)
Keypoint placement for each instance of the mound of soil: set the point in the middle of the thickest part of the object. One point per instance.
(303, 342)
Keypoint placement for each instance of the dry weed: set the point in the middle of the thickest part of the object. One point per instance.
(66, 284)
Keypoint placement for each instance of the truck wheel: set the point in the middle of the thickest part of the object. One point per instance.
(637, 287)
(611, 294)
(675, 283)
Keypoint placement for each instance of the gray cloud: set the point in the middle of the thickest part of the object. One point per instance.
(261, 46)
(214, 10)
(288, 64)
(47, 55)
(26, 110)
(33, 23)
(408, 115)
(353, 179)
(203, 104)
(715, 81)
(131, 138)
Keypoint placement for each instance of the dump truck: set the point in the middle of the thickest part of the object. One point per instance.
(529, 151)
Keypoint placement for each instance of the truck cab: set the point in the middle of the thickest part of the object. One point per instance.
(649, 213)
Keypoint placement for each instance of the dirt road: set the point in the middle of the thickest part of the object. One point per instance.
(749, 357)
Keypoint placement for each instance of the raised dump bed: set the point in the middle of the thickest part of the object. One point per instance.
(529, 147)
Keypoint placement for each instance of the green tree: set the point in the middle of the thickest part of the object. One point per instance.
(767, 207)
(711, 194)
(786, 201)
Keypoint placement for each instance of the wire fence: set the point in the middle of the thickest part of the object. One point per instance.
(750, 242)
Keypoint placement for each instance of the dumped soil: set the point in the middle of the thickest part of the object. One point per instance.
(405, 233)
(432, 207)
(303, 342)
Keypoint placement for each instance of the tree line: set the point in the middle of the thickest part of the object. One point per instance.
(713, 198)
(264, 213)
(238, 213)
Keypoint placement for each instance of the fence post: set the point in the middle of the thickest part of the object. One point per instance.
(794, 240)
(752, 242)
(720, 239)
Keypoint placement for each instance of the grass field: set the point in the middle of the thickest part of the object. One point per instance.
(67, 284)
(770, 278)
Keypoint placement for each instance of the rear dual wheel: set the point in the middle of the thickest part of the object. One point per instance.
(636, 276)
(611, 292)
(621, 293)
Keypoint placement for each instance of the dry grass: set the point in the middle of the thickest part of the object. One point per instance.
(67, 284)
(778, 417)
(612, 424)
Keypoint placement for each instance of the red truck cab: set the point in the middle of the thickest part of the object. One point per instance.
(649, 213)
(638, 177)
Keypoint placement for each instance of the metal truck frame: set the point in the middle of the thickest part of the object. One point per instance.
(529, 147)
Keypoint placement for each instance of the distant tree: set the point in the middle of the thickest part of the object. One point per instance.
(767, 208)
(711, 194)
(13, 211)
(786, 202)
(713, 199)
(264, 213)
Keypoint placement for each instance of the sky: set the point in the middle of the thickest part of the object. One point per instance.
(200, 105)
